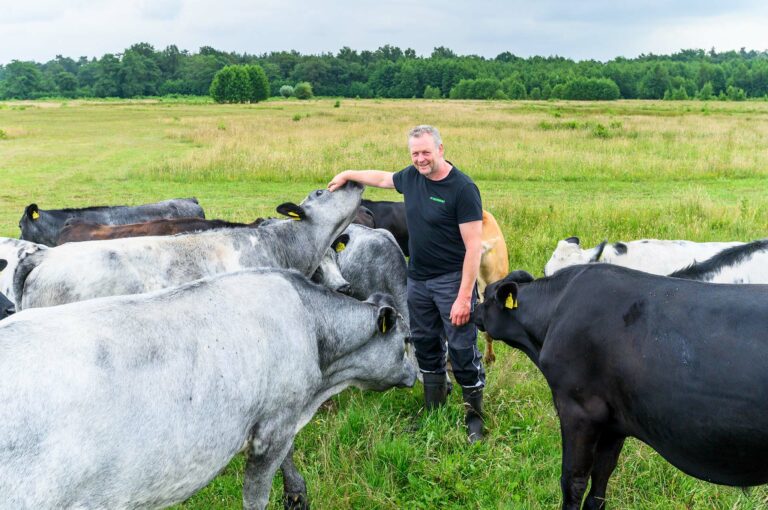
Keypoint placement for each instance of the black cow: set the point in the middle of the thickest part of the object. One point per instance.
(43, 226)
(390, 216)
(681, 365)
(6, 306)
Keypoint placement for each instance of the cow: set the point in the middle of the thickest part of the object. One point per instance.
(78, 271)
(139, 401)
(7, 307)
(653, 256)
(678, 364)
(494, 265)
(13, 250)
(327, 272)
(78, 230)
(43, 226)
(390, 216)
(371, 261)
(747, 263)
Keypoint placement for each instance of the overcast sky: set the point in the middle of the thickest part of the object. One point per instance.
(593, 29)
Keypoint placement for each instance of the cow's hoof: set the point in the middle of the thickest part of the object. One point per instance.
(489, 359)
(296, 501)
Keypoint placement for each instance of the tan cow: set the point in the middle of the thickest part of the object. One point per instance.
(494, 265)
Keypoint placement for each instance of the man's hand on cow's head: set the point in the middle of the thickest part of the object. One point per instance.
(337, 182)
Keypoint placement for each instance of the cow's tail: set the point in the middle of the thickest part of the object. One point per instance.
(27, 263)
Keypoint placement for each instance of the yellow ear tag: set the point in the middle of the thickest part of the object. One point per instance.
(510, 303)
(340, 247)
(383, 326)
(294, 215)
(35, 215)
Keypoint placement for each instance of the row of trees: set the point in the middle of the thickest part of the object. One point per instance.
(391, 72)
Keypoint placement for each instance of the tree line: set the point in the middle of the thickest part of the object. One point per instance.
(391, 72)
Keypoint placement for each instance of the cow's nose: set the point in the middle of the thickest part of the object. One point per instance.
(345, 289)
(479, 319)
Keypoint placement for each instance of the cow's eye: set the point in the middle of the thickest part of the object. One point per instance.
(319, 192)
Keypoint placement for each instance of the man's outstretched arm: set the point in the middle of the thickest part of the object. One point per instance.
(375, 178)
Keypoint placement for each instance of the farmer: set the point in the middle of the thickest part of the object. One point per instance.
(444, 215)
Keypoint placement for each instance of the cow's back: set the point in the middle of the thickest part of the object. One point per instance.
(79, 377)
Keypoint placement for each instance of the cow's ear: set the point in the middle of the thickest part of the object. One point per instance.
(597, 252)
(340, 243)
(573, 240)
(386, 319)
(3, 264)
(32, 212)
(291, 210)
(506, 294)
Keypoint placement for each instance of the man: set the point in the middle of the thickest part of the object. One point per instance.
(444, 215)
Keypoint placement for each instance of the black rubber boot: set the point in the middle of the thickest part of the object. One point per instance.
(473, 402)
(435, 390)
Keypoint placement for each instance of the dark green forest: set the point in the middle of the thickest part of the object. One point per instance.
(391, 72)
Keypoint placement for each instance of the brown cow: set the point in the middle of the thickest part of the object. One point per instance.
(76, 231)
(494, 265)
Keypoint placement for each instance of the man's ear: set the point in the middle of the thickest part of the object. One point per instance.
(506, 295)
(340, 243)
(293, 211)
(386, 319)
(32, 212)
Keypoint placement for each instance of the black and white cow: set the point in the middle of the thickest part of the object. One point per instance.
(747, 263)
(7, 307)
(12, 251)
(649, 255)
(139, 401)
(43, 226)
(680, 365)
(78, 271)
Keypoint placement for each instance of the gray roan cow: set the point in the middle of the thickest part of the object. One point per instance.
(43, 226)
(12, 251)
(78, 271)
(139, 401)
(681, 365)
(6, 306)
(371, 261)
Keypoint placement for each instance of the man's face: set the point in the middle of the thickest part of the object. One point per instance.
(424, 155)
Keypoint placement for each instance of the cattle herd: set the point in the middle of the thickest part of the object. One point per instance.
(144, 347)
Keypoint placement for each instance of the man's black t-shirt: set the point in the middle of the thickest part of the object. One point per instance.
(433, 211)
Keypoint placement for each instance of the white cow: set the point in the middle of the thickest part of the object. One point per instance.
(649, 255)
(140, 401)
(78, 271)
(747, 263)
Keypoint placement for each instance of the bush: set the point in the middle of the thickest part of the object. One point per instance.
(513, 88)
(591, 89)
(706, 92)
(286, 91)
(482, 88)
(303, 90)
(735, 93)
(431, 92)
(239, 84)
(258, 83)
(535, 93)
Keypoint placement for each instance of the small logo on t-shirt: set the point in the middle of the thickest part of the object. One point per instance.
(440, 200)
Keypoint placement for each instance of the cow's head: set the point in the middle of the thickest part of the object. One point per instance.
(6, 306)
(322, 207)
(569, 253)
(498, 313)
(36, 226)
(383, 355)
(328, 272)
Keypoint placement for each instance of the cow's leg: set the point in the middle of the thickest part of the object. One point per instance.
(490, 356)
(294, 486)
(260, 465)
(606, 455)
(580, 438)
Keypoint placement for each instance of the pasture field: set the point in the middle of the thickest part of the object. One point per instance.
(547, 170)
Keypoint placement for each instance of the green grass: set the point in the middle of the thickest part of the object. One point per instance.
(547, 170)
